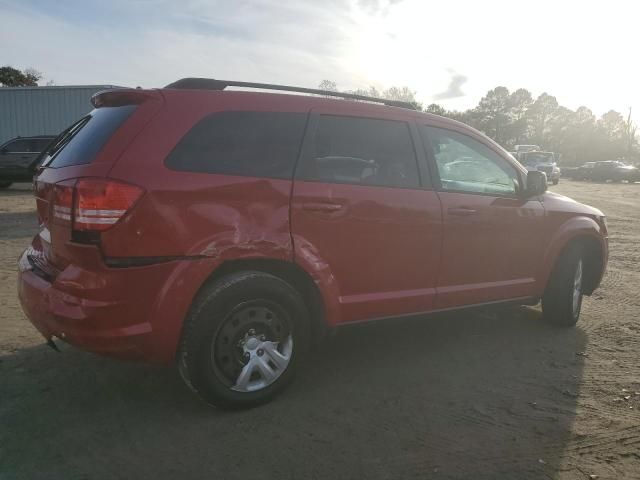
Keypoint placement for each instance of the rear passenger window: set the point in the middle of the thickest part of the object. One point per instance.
(362, 151)
(258, 144)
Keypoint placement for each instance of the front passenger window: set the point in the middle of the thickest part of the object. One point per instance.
(466, 165)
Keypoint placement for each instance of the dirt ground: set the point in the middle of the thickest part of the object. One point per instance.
(482, 395)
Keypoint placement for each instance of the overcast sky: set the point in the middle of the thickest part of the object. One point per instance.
(583, 52)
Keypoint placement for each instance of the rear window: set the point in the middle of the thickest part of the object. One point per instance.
(258, 144)
(80, 143)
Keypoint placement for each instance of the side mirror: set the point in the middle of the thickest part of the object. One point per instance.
(536, 183)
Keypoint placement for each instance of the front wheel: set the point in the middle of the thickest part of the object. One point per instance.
(562, 300)
(5, 184)
(243, 339)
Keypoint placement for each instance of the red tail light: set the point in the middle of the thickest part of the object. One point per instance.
(101, 203)
(93, 204)
(63, 202)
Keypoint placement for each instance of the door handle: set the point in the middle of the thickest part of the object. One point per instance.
(462, 211)
(322, 207)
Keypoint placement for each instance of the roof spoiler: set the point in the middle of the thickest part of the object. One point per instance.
(123, 96)
(194, 83)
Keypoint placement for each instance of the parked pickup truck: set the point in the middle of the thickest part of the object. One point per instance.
(542, 162)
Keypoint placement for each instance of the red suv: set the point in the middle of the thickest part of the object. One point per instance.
(227, 230)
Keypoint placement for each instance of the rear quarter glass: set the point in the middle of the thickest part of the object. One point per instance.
(245, 143)
(80, 144)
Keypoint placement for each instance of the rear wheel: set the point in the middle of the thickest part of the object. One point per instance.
(243, 340)
(5, 184)
(562, 300)
(555, 182)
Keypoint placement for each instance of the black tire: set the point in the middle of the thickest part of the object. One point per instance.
(5, 184)
(229, 305)
(558, 306)
(555, 182)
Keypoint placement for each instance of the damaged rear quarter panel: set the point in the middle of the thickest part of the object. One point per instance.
(206, 215)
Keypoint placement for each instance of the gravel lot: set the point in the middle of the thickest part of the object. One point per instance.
(482, 395)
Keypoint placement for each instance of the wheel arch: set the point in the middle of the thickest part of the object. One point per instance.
(291, 273)
(594, 262)
(588, 237)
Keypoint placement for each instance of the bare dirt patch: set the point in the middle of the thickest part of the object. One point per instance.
(482, 395)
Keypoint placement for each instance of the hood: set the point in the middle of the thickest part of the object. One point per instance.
(555, 202)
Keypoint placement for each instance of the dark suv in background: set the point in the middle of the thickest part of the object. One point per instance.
(19, 158)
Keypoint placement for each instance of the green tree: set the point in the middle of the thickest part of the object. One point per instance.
(402, 94)
(328, 85)
(519, 102)
(539, 115)
(436, 110)
(12, 77)
(515, 118)
(630, 138)
(367, 92)
(583, 139)
(612, 128)
(492, 115)
(613, 125)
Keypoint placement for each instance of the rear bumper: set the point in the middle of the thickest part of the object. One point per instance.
(129, 313)
(80, 323)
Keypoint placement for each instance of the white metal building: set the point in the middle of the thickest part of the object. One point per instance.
(27, 111)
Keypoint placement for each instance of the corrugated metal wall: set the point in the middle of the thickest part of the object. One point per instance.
(28, 111)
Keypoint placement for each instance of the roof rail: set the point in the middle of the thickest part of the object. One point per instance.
(194, 83)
